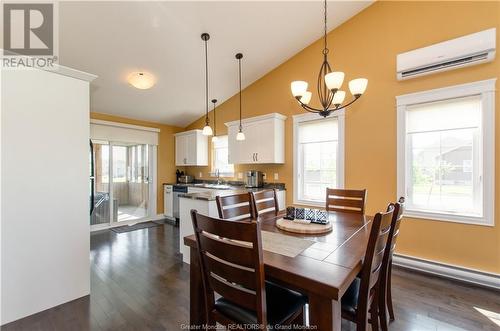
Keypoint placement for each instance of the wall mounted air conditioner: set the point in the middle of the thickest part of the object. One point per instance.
(456, 53)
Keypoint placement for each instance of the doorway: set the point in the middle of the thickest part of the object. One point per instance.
(122, 180)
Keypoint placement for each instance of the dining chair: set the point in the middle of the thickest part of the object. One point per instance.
(264, 202)
(235, 207)
(361, 298)
(345, 200)
(385, 297)
(230, 256)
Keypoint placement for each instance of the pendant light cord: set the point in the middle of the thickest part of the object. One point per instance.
(239, 74)
(206, 83)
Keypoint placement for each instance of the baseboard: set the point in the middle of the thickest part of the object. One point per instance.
(477, 277)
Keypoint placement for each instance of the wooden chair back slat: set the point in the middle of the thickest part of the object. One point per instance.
(231, 292)
(265, 202)
(236, 207)
(230, 255)
(346, 200)
(231, 272)
(227, 250)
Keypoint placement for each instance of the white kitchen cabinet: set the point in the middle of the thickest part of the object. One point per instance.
(191, 148)
(264, 140)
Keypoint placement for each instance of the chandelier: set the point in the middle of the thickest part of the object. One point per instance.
(329, 84)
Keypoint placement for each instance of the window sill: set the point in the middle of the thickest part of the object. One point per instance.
(462, 219)
(311, 203)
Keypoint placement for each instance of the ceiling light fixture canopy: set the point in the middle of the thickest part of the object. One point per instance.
(329, 84)
(214, 138)
(240, 136)
(207, 130)
(141, 80)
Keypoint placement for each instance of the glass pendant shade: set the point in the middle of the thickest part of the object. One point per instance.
(207, 130)
(141, 80)
(338, 98)
(358, 86)
(214, 139)
(299, 87)
(334, 80)
(240, 136)
(306, 98)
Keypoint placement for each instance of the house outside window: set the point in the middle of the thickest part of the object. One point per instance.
(446, 153)
(318, 157)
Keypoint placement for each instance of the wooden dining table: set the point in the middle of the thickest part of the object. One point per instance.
(323, 271)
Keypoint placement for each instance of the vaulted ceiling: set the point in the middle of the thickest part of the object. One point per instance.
(113, 39)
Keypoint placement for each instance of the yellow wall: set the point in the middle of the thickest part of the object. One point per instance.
(166, 147)
(367, 46)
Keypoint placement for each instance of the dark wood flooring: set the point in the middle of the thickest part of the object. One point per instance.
(138, 282)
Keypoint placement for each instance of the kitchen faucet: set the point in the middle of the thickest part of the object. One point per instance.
(217, 173)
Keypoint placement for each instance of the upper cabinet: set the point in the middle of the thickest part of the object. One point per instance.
(264, 140)
(191, 148)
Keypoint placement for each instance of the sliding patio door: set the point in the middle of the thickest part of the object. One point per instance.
(124, 190)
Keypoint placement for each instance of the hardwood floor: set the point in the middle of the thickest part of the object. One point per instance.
(138, 282)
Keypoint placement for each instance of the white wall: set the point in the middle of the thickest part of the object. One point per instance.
(44, 191)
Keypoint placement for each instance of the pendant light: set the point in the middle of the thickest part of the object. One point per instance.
(214, 138)
(329, 84)
(240, 136)
(207, 130)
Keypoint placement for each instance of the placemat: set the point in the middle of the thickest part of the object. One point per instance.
(284, 245)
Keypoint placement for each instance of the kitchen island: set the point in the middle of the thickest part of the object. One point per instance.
(204, 202)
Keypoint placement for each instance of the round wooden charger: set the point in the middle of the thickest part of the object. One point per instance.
(296, 227)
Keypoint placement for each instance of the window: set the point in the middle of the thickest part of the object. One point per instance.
(318, 157)
(446, 153)
(220, 158)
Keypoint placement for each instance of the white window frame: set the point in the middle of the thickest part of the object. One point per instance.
(212, 166)
(486, 89)
(297, 119)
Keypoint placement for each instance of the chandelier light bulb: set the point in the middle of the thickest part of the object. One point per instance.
(306, 98)
(358, 86)
(338, 98)
(207, 130)
(299, 87)
(214, 139)
(240, 136)
(334, 80)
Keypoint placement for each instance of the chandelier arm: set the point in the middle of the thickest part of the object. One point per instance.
(348, 104)
(308, 108)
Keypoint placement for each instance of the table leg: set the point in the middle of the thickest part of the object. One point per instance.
(196, 297)
(324, 313)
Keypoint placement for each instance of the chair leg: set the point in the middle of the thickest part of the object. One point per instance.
(374, 315)
(389, 292)
(382, 304)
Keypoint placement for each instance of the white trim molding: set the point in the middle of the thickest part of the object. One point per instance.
(124, 125)
(473, 276)
(484, 88)
(340, 115)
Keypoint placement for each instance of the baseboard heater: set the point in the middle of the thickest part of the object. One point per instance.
(477, 277)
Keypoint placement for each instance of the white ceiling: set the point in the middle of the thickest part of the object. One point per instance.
(112, 39)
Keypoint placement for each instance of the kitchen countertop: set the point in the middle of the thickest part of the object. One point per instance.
(210, 194)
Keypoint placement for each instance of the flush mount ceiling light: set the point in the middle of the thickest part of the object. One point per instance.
(141, 80)
(207, 130)
(240, 135)
(329, 84)
(214, 138)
